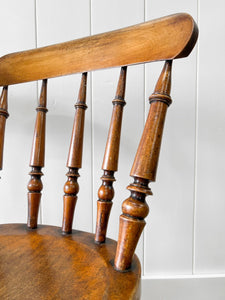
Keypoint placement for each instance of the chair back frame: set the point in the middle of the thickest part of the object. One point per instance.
(165, 39)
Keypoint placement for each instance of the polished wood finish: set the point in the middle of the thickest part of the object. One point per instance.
(3, 116)
(74, 162)
(50, 263)
(44, 264)
(110, 161)
(37, 159)
(146, 160)
(135, 208)
(161, 39)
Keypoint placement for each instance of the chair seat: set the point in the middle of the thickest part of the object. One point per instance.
(44, 264)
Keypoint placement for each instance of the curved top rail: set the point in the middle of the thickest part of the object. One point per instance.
(161, 39)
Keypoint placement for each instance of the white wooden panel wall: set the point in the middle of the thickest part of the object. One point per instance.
(169, 237)
(210, 204)
(182, 249)
(18, 32)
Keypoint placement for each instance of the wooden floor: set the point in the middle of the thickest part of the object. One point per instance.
(43, 264)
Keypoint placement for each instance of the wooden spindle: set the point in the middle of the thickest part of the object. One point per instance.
(135, 209)
(3, 116)
(74, 162)
(110, 161)
(37, 159)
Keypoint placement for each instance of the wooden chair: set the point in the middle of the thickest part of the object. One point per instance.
(47, 262)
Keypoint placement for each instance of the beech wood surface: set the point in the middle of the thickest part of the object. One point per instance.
(135, 208)
(161, 39)
(3, 116)
(110, 160)
(146, 160)
(37, 159)
(44, 264)
(74, 162)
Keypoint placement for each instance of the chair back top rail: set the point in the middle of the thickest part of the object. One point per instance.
(165, 38)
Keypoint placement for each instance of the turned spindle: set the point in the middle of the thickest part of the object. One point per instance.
(74, 162)
(135, 208)
(3, 116)
(110, 161)
(37, 159)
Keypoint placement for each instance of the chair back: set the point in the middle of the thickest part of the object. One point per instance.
(164, 39)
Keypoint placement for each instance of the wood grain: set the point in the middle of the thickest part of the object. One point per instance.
(74, 162)
(161, 39)
(44, 264)
(3, 116)
(110, 160)
(37, 159)
(135, 209)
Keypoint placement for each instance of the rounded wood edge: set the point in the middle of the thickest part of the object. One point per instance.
(192, 40)
(149, 41)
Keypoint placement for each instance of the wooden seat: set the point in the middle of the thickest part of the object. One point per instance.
(43, 264)
(47, 262)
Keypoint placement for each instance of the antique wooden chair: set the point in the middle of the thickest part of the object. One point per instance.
(47, 262)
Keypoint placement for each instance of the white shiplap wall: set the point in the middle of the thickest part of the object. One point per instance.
(182, 249)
